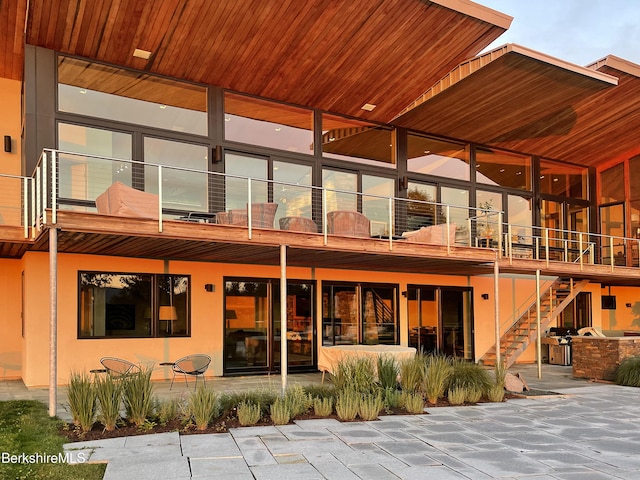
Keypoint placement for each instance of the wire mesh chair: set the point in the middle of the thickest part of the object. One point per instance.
(117, 367)
(195, 365)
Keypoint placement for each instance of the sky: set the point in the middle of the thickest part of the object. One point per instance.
(577, 31)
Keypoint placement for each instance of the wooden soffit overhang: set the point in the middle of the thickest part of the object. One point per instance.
(333, 55)
(518, 99)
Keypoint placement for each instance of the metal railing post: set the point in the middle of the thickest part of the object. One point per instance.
(500, 239)
(324, 215)
(54, 182)
(159, 198)
(391, 225)
(448, 218)
(611, 256)
(43, 189)
(580, 247)
(249, 216)
(546, 245)
(509, 244)
(25, 206)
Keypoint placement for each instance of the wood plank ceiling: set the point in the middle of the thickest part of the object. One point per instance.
(527, 102)
(333, 55)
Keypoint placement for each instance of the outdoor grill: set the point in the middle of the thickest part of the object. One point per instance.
(559, 341)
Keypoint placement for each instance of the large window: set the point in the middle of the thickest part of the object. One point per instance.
(101, 91)
(357, 141)
(118, 305)
(496, 167)
(432, 156)
(563, 179)
(292, 190)
(359, 314)
(237, 188)
(268, 124)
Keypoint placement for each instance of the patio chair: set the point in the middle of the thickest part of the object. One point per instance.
(117, 367)
(195, 365)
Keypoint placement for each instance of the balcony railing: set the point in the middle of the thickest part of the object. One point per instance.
(72, 181)
(15, 198)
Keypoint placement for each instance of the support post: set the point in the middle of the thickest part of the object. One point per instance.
(538, 335)
(160, 194)
(53, 321)
(496, 308)
(284, 364)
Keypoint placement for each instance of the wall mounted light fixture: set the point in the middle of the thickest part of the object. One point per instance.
(7, 143)
(209, 287)
(485, 296)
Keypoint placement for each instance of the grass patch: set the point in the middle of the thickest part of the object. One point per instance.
(25, 427)
(628, 372)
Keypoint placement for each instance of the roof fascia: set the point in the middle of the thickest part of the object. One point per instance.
(478, 11)
(616, 63)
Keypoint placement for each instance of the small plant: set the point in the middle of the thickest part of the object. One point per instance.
(263, 397)
(357, 374)
(298, 400)
(413, 402)
(437, 374)
(138, 396)
(495, 393)
(248, 414)
(321, 390)
(468, 374)
(203, 406)
(169, 410)
(347, 405)
(457, 395)
(387, 372)
(370, 406)
(500, 371)
(474, 394)
(412, 374)
(147, 426)
(109, 394)
(392, 399)
(82, 400)
(280, 412)
(323, 407)
(628, 372)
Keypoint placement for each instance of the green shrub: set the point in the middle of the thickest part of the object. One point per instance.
(387, 372)
(413, 402)
(298, 400)
(628, 372)
(457, 394)
(138, 396)
(347, 404)
(412, 374)
(500, 371)
(169, 410)
(357, 374)
(230, 400)
(280, 412)
(248, 414)
(321, 390)
(437, 373)
(82, 398)
(392, 399)
(203, 406)
(323, 407)
(474, 395)
(370, 406)
(495, 393)
(469, 375)
(109, 394)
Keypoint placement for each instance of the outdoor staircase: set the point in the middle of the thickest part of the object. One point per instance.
(523, 331)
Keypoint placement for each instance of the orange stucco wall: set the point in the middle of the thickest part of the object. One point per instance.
(10, 319)
(623, 318)
(207, 309)
(10, 99)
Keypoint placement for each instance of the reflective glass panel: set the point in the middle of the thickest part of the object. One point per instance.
(338, 184)
(634, 180)
(563, 179)
(340, 318)
(612, 184)
(357, 141)
(421, 207)
(82, 177)
(268, 124)
(292, 190)
(102, 91)
(237, 189)
(432, 156)
(487, 220)
(376, 192)
(379, 324)
(496, 167)
(181, 190)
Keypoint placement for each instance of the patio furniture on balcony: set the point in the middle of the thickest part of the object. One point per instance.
(349, 223)
(298, 224)
(262, 216)
(124, 201)
(434, 235)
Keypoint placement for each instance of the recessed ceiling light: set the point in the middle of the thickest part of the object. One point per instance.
(368, 107)
(555, 179)
(427, 152)
(83, 91)
(278, 129)
(227, 119)
(145, 54)
(502, 170)
(163, 107)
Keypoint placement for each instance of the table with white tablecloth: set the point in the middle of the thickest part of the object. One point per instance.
(329, 357)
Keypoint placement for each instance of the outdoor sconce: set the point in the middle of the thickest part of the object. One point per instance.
(485, 296)
(403, 183)
(404, 293)
(209, 287)
(628, 305)
(7, 143)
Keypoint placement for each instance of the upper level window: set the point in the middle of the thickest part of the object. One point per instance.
(563, 179)
(612, 184)
(101, 91)
(432, 156)
(496, 167)
(267, 124)
(357, 141)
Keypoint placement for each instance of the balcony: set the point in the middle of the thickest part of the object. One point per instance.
(120, 207)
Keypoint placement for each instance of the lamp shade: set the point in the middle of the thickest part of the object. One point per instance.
(168, 312)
